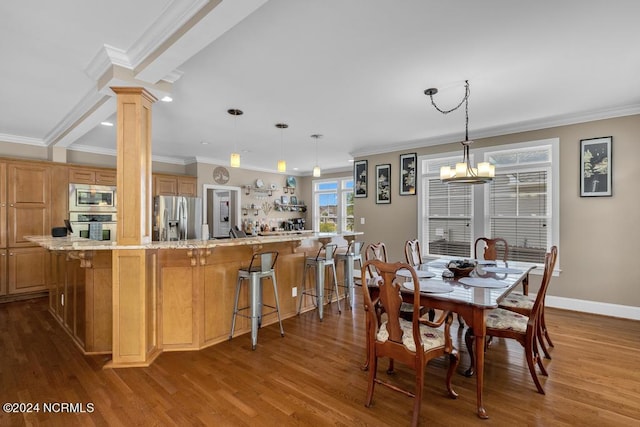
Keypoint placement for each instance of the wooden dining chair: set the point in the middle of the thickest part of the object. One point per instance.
(414, 259)
(504, 323)
(491, 249)
(413, 343)
(412, 253)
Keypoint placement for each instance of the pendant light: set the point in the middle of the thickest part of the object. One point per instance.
(463, 172)
(234, 161)
(282, 164)
(316, 168)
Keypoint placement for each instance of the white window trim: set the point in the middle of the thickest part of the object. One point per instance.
(342, 210)
(480, 199)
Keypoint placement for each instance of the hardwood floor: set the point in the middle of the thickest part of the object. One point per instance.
(312, 377)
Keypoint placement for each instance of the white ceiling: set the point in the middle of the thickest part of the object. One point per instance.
(354, 71)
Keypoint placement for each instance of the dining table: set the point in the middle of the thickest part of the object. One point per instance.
(471, 297)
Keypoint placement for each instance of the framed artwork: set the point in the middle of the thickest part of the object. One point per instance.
(284, 200)
(360, 168)
(595, 167)
(408, 174)
(293, 200)
(383, 184)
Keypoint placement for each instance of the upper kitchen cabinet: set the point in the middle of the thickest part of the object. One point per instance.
(28, 198)
(92, 176)
(175, 185)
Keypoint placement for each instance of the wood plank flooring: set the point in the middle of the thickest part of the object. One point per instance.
(312, 377)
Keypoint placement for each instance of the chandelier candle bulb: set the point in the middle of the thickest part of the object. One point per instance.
(445, 172)
(461, 169)
(484, 169)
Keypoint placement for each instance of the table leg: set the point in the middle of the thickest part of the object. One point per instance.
(348, 279)
(475, 338)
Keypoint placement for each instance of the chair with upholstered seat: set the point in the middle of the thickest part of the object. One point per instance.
(488, 249)
(411, 342)
(379, 251)
(414, 258)
(491, 249)
(523, 304)
(504, 323)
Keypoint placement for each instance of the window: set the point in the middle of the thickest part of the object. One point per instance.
(333, 205)
(520, 205)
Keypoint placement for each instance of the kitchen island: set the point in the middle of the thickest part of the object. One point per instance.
(192, 285)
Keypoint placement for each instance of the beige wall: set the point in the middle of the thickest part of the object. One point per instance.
(598, 235)
(239, 177)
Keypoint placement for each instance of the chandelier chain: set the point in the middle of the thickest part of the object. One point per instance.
(464, 101)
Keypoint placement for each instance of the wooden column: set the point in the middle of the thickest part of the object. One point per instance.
(134, 283)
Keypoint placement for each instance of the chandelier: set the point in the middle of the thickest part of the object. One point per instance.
(463, 172)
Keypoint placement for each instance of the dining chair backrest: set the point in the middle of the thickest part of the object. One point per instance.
(389, 300)
(549, 265)
(496, 248)
(375, 251)
(412, 252)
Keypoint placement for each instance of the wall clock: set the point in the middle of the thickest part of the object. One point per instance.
(221, 175)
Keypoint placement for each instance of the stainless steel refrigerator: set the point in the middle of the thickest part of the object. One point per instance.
(177, 218)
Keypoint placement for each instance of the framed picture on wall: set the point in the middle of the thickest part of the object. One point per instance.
(408, 174)
(595, 167)
(360, 178)
(383, 184)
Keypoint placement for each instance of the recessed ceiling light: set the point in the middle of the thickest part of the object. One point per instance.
(350, 160)
(204, 143)
(106, 123)
(166, 98)
(295, 169)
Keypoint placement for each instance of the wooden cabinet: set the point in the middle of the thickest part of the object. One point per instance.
(27, 269)
(3, 272)
(80, 298)
(92, 176)
(28, 187)
(174, 185)
(3, 205)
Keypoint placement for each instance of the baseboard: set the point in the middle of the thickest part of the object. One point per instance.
(594, 307)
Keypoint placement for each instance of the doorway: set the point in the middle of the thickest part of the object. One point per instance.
(221, 207)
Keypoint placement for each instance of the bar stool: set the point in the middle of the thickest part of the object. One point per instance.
(349, 258)
(320, 264)
(262, 266)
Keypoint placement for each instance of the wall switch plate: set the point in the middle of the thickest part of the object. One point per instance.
(294, 291)
(362, 221)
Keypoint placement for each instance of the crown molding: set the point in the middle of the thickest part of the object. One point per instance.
(17, 139)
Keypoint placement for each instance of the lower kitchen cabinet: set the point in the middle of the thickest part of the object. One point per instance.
(27, 270)
(80, 297)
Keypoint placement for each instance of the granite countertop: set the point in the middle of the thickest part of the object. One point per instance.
(80, 243)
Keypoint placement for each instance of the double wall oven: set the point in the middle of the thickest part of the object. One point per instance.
(93, 211)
